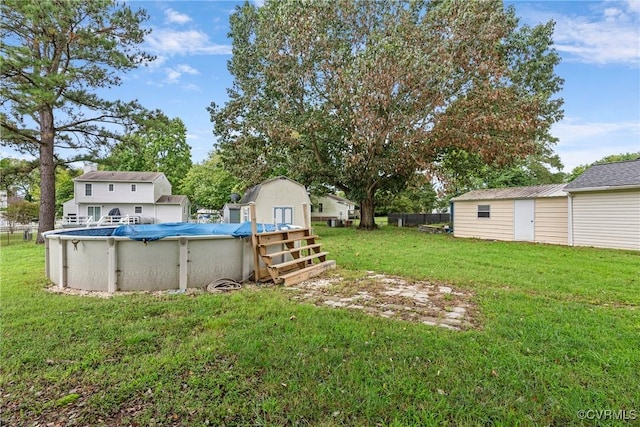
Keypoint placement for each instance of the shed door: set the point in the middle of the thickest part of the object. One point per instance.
(523, 220)
(282, 215)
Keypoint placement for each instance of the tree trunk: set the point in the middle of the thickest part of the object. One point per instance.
(367, 213)
(47, 214)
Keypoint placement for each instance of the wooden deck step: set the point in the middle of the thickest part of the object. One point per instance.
(306, 273)
(292, 250)
(280, 242)
(284, 265)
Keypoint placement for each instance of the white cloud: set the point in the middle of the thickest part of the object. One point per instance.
(583, 142)
(191, 42)
(604, 33)
(175, 17)
(174, 74)
(608, 41)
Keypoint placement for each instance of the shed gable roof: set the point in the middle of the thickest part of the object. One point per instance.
(117, 176)
(531, 192)
(251, 195)
(608, 175)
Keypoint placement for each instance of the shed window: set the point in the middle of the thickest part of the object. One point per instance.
(484, 211)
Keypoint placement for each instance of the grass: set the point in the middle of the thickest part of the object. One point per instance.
(559, 334)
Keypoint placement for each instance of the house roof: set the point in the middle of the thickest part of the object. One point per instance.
(340, 199)
(608, 175)
(251, 194)
(531, 192)
(171, 200)
(112, 176)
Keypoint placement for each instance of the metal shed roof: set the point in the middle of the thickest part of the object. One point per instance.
(532, 192)
(608, 175)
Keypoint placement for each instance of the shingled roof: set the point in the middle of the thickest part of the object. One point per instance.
(534, 191)
(113, 176)
(608, 175)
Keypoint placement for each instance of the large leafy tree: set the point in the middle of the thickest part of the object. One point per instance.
(158, 144)
(56, 55)
(18, 177)
(209, 185)
(463, 171)
(362, 94)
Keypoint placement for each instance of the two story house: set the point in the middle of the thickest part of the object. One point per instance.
(108, 197)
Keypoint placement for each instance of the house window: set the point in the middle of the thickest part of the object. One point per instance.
(484, 211)
(320, 207)
(133, 188)
(111, 187)
(88, 189)
(137, 210)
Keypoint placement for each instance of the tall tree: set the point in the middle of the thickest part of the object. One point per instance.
(17, 177)
(55, 55)
(209, 184)
(158, 144)
(463, 171)
(362, 94)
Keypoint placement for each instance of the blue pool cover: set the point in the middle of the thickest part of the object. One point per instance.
(149, 232)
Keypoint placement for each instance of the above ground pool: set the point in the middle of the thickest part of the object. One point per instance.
(149, 257)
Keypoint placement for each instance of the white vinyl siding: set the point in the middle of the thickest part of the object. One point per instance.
(499, 226)
(607, 219)
(551, 220)
(550, 216)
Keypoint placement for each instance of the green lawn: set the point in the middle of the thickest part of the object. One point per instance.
(559, 334)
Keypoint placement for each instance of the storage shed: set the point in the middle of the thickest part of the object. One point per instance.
(604, 206)
(278, 201)
(532, 214)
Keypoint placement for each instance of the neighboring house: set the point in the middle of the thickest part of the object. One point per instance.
(333, 207)
(278, 201)
(231, 213)
(533, 214)
(604, 206)
(106, 197)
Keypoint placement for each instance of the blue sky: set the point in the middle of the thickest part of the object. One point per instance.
(599, 42)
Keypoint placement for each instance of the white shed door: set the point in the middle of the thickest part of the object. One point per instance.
(282, 215)
(523, 220)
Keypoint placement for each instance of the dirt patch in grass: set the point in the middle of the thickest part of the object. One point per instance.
(430, 303)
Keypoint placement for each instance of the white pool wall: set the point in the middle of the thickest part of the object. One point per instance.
(110, 264)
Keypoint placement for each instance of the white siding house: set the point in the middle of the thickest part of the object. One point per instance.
(531, 214)
(124, 196)
(278, 201)
(333, 207)
(604, 206)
